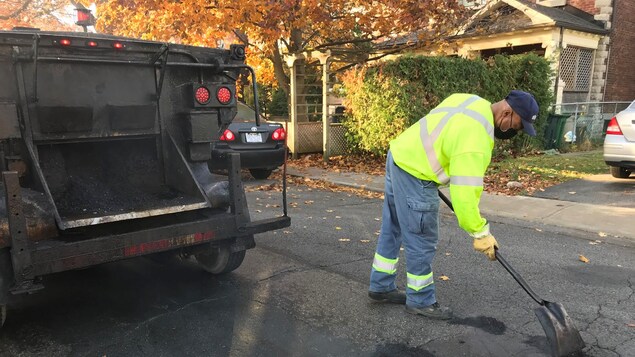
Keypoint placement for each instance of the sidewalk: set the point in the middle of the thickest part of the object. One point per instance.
(601, 221)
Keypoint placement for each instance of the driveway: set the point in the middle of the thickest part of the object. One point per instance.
(597, 189)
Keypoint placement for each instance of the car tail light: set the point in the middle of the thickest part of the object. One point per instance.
(613, 128)
(279, 134)
(228, 135)
(202, 95)
(224, 95)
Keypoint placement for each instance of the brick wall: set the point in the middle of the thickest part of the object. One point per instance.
(584, 5)
(621, 75)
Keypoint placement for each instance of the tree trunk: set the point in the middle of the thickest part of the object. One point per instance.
(278, 69)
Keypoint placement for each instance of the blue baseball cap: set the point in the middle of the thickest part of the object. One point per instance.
(524, 104)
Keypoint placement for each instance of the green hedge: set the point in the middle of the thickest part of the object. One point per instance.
(386, 98)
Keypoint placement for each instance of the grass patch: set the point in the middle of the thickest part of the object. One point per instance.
(539, 171)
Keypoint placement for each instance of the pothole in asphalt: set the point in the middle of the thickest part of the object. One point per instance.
(487, 324)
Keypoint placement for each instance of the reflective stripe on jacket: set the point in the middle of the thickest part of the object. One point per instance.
(452, 144)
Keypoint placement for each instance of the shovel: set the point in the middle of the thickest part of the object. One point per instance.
(564, 338)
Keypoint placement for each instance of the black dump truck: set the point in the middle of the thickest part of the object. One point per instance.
(104, 152)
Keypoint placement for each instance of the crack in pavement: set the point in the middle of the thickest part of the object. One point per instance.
(310, 268)
(282, 272)
(297, 260)
(343, 263)
(153, 318)
(630, 286)
(599, 314)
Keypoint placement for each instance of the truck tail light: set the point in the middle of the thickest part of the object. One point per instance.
(228, 135)
(118, 45)
(91, 44)
(65, 42)
(279, 134)
(613, 128)
(224, 95)
(83, 15)
(202, 95)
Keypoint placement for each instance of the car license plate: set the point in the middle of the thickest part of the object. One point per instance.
(253, 137)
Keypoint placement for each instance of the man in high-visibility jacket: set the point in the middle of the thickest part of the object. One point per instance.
(451, 145)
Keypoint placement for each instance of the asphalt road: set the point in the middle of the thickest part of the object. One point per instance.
(302, 292)
(596, 189)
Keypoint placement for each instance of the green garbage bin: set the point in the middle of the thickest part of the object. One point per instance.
(554, 130)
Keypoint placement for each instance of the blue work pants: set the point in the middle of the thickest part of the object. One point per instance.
(410, 214)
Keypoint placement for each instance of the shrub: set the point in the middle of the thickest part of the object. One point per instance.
(384, 99)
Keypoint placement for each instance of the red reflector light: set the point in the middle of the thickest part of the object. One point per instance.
(118, 45)
(224, 95)
(65, 42)
(91, 44)
(613, 128)
(83, 15)
(279, 134)
(202, 95)
(228, 135)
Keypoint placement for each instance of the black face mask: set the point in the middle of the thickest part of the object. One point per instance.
(504, 135)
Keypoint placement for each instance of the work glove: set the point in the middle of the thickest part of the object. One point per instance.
(486, 245)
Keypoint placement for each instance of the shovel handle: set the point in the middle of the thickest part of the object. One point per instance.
(518, 278)
(504, 263)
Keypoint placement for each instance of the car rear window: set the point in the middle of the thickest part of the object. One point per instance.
(245, 114)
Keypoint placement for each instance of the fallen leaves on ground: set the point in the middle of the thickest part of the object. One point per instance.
(583, 259)
(314, 184)
(344, 240)
(369, 164)
(495, 181)
(444, 278)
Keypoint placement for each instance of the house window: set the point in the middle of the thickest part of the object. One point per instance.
(575, 70)
(473, 3)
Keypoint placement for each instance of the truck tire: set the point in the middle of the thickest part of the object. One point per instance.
(260, 174)
(6, 279)
(220, 260)
(620, 172)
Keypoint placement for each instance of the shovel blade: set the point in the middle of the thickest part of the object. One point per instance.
(564, 338)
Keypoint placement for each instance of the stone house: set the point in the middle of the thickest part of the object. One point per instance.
(592, 42)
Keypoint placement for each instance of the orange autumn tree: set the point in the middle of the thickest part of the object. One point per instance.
(42, 14)
(274, 28)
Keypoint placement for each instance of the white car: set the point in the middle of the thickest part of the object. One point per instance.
(619, 143)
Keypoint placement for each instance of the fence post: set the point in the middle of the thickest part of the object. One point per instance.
(575, 124)
(326, 123)
(293, 113)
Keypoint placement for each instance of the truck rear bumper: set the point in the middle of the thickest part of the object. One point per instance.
(56, 256)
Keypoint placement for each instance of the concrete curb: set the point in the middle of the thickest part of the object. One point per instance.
(600, 221)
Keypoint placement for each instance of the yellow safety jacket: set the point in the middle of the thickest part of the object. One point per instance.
(452, 144)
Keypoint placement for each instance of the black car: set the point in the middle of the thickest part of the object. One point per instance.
(261, 148)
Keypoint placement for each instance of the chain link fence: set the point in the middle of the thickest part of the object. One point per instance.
(581, 122)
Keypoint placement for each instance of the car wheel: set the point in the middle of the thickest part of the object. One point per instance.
(260, 174)
(620, 172)
(220, 260)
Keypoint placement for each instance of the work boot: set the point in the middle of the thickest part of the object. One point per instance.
(434, 311)
(393, 297)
